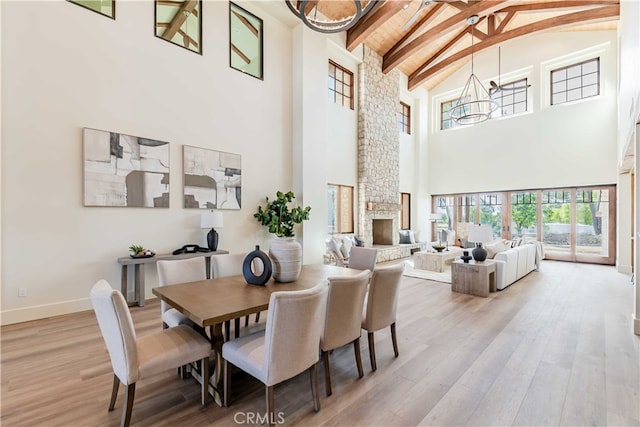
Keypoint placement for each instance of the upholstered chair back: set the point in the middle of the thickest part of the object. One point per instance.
(363, 258)
(117, 330)
(292, 333)
(227, 265)
(343, 317)
(171, 272)
(382, 300)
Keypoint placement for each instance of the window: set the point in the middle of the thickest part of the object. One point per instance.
(340, 85)
(405, 211)
(340, 204)
(447, 122)
(404, 118)
(575, 82)
(512, 99)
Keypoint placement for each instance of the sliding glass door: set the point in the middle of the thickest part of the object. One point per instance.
(574, 224)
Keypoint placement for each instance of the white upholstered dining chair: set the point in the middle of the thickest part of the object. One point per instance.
(133, 358)
(343, 319)
(171, 272)
(288, 345)
(381, 306)
(363, 258)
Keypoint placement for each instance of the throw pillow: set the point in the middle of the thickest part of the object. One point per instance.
(346, 246)
(357, 241)
(404, 236)
(412, 236)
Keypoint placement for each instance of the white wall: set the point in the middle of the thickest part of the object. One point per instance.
(65, 68)
(566, 145)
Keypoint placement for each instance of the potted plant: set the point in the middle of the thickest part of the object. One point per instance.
(280, 219)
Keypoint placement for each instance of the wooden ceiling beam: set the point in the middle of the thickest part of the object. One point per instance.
(432, 13)
(447, 46)
(600, 14)
(504, 22)
(246, 23)
(178, 19)
(398, 54)
(558, 5)
(372, 21)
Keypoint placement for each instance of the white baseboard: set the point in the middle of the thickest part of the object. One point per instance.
(624, 269)
(26, 314)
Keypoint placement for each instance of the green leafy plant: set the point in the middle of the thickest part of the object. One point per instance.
(137, 249)
(279, 218)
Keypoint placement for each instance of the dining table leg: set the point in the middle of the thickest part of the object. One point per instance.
(217, 377)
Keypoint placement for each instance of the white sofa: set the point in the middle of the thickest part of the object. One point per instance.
(515, 263)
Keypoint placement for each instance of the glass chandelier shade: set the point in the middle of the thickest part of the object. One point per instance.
(474, 104)
(310, 12)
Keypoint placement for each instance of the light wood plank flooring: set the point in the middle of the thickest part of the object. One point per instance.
(555, 348)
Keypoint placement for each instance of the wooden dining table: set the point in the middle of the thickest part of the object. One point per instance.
(209, 303)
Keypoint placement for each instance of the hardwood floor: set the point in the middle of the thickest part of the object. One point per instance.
(555, 348)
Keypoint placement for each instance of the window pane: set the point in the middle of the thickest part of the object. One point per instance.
(559, 98)
(559, 87)
(573, 83)
(575, 94)
(590, 91)
(573, 71)
(590, 67)
(590, 79)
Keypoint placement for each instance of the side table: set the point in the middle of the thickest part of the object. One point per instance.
(475, 278)
(138, 272)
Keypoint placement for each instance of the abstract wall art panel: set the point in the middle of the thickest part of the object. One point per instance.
(211, 179)
(125, 170)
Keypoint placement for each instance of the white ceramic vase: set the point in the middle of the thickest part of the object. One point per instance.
(286, 255)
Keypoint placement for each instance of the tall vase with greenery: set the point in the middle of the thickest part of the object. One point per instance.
(280, 219)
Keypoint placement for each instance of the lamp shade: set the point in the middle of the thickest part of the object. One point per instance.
(479, 233)
(211, 219)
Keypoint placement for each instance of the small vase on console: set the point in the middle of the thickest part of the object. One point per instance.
(465, 257)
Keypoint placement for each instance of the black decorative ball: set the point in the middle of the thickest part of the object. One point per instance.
(267, 268)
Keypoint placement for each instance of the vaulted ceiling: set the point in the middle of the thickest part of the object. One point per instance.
(430, 39)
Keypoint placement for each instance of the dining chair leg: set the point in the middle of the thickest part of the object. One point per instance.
(227, 382)
(327, 374)
(114, 392)
(236, 324)
(205, 380)
(246, 321)
(257, 317)
(394, 339)
(227, 330)
(270, 411)
(314, 386)
(356, 350)
(129, 392)
(372, 351)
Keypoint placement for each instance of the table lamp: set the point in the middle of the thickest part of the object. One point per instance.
(479, 234)
(211, 219)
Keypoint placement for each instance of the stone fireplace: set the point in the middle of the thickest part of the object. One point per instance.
(378, 153)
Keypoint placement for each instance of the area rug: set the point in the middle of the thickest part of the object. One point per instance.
(444, 277)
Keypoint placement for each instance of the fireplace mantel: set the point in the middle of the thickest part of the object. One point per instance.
(383, 207)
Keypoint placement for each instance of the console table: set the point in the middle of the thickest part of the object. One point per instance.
(475, 278)
(138, 264)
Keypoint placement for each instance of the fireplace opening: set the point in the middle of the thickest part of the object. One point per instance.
(382, 231)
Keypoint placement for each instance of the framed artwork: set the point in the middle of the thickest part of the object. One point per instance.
(125, 170)
(180, 22)
(212, 179)
(245, 41)
(103, 7)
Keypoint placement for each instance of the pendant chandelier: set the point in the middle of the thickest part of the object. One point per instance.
(313, 14)
(474, 104)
